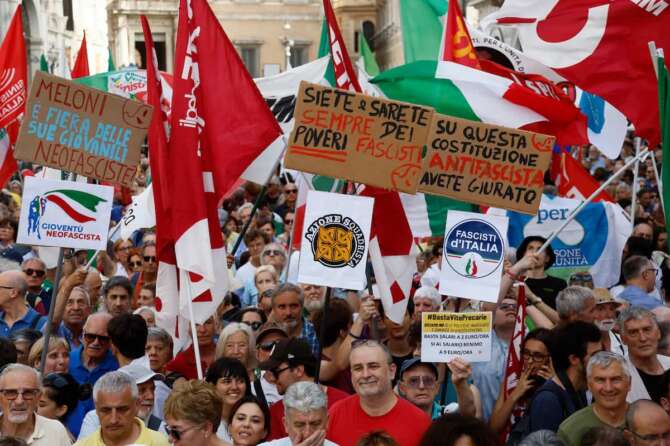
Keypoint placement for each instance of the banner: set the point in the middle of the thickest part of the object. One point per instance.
(65, 214)
(79, 129)
(592, 242)
(335, 240)
(486, 164)
(445, 336)
(140, 214)
(359, 138)
(473, 255)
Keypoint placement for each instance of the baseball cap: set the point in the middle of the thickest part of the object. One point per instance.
(295, 351)
(408, 364)
(139, 372)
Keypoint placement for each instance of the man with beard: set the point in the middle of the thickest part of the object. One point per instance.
(605, 319)
(19, 396)
(374, 406)
(640, 333)
(287, 307)
(315, 297)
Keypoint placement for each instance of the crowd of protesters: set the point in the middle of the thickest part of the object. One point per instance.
(593, 359)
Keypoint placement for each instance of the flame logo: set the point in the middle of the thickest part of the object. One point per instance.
(471, 267)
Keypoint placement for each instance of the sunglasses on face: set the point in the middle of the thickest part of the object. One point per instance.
(34, 272)
(416, 381)
(138, 263)
(291, 191)
(176, 434)
(150, 259)
(272, 252)
(267, 346)
(90, 338)
(255, 325)
(288, 221)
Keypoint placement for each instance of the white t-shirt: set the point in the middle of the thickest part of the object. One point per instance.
(48, 432)
(286, 441)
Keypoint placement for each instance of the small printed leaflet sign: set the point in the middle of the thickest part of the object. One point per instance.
(445, 336)
(473, 254)
(65, 214)
(359, 138)
(80, 129)
(335, 240)
(486, 164)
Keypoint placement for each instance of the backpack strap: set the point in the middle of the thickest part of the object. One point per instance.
(259, 392)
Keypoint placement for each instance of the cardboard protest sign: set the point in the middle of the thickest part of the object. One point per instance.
(445, 336)
(472, 255)
(80, 129)
(335, 240)
(359, 138)
(65, 214)
(486, 164)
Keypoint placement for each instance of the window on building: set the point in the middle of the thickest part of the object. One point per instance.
(299, 55)
(67, 12)
(141, 50)
(250, 55)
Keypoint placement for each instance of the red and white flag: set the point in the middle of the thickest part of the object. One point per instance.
(220, 125)
(80, 67)
(514, 366)
(573, 181)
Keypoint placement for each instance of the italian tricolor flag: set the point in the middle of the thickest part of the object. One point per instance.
(78, 205)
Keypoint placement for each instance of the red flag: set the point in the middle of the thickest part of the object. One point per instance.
(456, 42)
(13, 91)
(167, 296)
(345, 76)
(600, 46)
(574, 181)
(514, 366)
(80, 68)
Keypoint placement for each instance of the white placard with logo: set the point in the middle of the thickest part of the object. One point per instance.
(335, 238)
(473, 255)
(65, 213)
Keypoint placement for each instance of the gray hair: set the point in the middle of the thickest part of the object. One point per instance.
(604, 359)
(635, 313)
(230, 330)
(304, 396)
(83, 290)
(21, 368)
(115, 382)
(8, 265)
(33, 259)
(273, 246)
(429, 292)
(374, 344)
(159, 334)
(634, 266)
(572, 300)
(288, 288)
(542, 437)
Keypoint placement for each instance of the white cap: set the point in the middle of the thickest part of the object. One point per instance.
(139, 372)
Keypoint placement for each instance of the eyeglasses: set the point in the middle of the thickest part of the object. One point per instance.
(291, 191)
(26, 394)
(653, 438)
(174, 433)
(55, 380)
(268, 346)
(534, 356)
(255, 325)
(277, 372)
(273, 252)
(138, 263)
(267, 293)
(415, 382)
(150, 259)
(288, 221)
(90, 337)
(34, 272)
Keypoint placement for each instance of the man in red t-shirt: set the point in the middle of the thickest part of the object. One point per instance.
(292, 361)
(375, 406)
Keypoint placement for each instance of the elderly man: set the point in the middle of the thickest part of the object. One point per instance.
(77, 310)
(315, 298)
(608, 379)
(273, 254)
(93, 284)
(647, 424)
(306, 417)
(14, 313)
(146, 388)
(116, 403)
(426, 298)
(576, 303)
(643, 230)
(94, 358)
(640, 333)
(640, 276)
(287, 306)
(118, 294)
(374, 406)
(19, 396)
(605, 319)
(39, 291)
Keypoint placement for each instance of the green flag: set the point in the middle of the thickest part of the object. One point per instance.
(324, 50)
(110, 61)
(664, 112)
(421, 28)
(368, 56)
(44, 65)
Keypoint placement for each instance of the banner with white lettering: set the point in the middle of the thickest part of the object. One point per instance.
(65, 214)
(335, 240)
(472, 255)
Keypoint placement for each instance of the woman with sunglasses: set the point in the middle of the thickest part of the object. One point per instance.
(237, 341)
(231, 381)
(253, 317)
(249, 422)
(134, 261)
(59, 401)
(193, 414)
(58, 355)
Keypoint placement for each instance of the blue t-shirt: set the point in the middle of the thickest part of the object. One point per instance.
(32, 319)
(85, 376)
(550, 405)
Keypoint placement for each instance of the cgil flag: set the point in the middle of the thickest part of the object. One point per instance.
(573, 181)
(80, 67)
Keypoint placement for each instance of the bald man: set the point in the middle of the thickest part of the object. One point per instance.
(646, 424)
(94, 357)
(15, 314)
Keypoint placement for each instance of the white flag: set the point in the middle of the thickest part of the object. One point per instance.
(140, 214)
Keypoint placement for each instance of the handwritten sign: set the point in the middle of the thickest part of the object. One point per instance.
(486, 164)
(445, 336)
(80, 129)
(359, 138)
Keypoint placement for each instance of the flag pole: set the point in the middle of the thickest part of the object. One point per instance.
(322, 334)
(654, 53)
(640, 156)
(111, 234)
(636, 172)
(194, 330)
